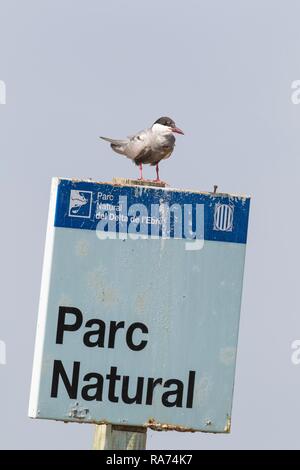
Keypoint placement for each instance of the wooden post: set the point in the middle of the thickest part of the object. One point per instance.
(115, 437)
(118, 437)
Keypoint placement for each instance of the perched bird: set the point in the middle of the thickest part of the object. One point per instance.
(149, 146)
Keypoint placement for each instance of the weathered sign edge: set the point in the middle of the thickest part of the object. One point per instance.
(42, 310)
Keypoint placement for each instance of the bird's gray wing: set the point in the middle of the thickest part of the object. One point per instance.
(141, 135)
(138, 144)
(145, 156)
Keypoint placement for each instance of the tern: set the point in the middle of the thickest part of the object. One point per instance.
(149, 146)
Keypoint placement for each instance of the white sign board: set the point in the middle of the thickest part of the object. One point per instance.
(140, 305)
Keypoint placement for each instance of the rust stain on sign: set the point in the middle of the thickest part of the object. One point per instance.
(156, 426)
(228, 424)
(101, 289)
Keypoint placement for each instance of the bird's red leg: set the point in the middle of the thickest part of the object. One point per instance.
(157, 174)
(141, 172)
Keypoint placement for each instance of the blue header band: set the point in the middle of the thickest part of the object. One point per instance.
(108, 207)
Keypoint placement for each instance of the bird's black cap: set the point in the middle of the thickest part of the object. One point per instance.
(165, 121)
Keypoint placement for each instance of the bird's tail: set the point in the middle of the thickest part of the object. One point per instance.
(116, 144)
(114, 141)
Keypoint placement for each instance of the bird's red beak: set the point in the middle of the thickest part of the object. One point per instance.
(177, 130)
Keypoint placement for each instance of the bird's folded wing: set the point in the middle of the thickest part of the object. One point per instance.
(144, 156)
(142, 135)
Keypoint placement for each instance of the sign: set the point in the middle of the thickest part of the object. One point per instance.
(140, 305)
